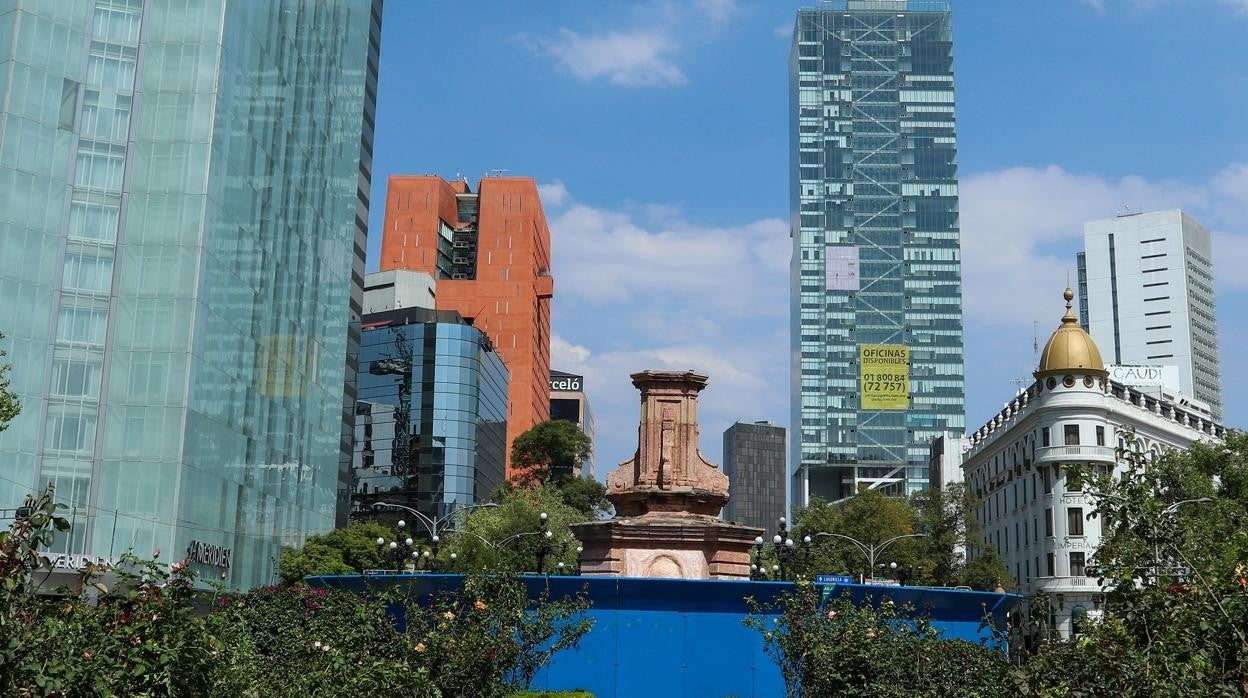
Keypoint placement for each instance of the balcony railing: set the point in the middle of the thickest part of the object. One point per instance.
(1055, 584)
(1049, 454)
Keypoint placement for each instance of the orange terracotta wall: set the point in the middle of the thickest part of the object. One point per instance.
(414, 205)
(510, 298)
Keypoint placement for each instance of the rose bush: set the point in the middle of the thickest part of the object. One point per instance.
(145, 629)
(842, 649)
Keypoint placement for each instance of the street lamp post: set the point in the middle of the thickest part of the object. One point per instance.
(543, 548)
(1165, 514)
(786, 554)
(871, 550)
(432, 525)
(399, 547)
(402, 545)
(1170, 510)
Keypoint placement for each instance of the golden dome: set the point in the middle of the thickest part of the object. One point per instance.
(1070, 349)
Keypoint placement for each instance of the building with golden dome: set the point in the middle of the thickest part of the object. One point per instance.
(1016, 465)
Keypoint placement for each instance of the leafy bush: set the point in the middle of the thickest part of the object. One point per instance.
(842, 649)
(148, 633)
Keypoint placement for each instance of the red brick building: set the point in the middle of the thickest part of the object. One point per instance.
(490, 253)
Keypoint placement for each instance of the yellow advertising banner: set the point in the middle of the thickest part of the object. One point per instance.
(884, 376)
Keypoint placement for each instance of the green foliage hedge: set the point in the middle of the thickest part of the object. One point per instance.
(147, 633)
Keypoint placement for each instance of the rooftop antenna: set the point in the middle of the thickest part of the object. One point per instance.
(1035, 342)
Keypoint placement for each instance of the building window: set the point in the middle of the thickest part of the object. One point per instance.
(1027, 568)
(1074, 521)
(1048, 484)
(1048, 522)
(1050, 564)
(1044, 436)
(80, 325)
(1026, 535)
(1100, 436)
(1071, 433)
(69, 430)
(1076, 564)
(1035, 536)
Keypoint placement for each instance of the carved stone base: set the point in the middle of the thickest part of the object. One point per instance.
(663, 545)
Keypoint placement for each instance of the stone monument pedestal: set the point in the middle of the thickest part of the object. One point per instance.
(666, 546)
(667, 497)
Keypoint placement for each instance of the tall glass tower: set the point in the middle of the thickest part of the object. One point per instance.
(876, 368)
(185, 190)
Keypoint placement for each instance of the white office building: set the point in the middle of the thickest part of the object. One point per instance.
(1146, 297)
(1016, 464)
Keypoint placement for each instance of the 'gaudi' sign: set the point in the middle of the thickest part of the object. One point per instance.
(208, 554)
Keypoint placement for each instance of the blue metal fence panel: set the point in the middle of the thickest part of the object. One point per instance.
(686, 638)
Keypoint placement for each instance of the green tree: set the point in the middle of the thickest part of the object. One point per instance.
(342, 551)
(146, 630)
(869, 517)
(1174, 562)
(842, 648)
(586, 495)
(9, 405)
(946, 518)
(510, 536)
(551, 451)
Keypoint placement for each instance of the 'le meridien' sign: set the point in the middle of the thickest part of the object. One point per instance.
(208, 554)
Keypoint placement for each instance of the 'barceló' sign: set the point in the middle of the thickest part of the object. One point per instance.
(208, 554)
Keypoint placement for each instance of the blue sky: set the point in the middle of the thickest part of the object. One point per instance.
(658, 130)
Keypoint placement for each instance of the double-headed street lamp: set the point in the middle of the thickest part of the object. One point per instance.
(787, 551)
(545, 545)
(871, 550)
(401, 548)
(782, 545)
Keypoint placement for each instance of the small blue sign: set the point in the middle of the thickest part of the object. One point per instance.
(834, 579)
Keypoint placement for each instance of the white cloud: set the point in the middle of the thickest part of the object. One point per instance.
(553, 194)
(783, 31)
(717, 11)
(1232, 181)
(638, 58)
(635, 294)
(642, 53)
(1022, 226)
(729, 270)
(1102, 6)
(1230, 259)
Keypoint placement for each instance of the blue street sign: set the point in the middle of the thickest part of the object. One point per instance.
(834, 579)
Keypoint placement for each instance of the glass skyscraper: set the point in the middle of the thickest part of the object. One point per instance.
(876, 369)
(185, 190)
(431, 416)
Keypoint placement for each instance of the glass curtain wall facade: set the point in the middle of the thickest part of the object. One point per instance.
(186, 190)
(754, 460)
(877, 369)
(431, 416)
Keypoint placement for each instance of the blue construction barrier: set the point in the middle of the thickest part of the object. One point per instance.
(686, 638)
